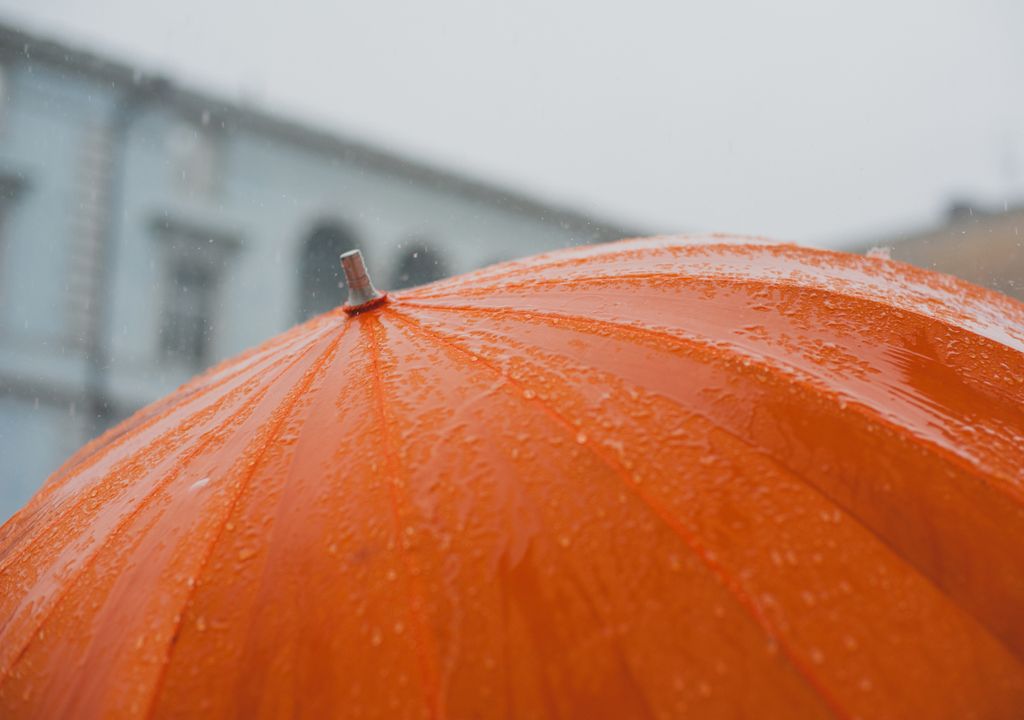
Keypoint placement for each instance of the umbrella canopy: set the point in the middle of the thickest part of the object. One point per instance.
(717, 477)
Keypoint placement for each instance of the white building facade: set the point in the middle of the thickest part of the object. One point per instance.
(148, 231)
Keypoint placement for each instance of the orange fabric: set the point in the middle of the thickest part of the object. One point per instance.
(658, 478)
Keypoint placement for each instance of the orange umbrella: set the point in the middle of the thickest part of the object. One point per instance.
(659, 478)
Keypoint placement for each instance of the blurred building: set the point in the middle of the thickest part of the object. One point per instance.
(985, 247)
(147, 231)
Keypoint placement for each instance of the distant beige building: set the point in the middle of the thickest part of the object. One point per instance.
(981, 246)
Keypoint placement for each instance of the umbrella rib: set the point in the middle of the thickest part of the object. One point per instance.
(192, 389)
(692, 542)
(297, 392)
(1004, 487)
(23, 543)
(731, 280)
(100, 449)
(159, 485)
(428, 658)
(610, 251)
(687, 342)
(124, 522)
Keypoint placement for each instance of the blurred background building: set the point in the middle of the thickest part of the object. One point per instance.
(147, 231)
(982, 245)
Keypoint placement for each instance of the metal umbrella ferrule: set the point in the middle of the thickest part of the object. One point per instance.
(362, 295)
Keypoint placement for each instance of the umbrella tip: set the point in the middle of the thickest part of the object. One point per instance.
(362, 295)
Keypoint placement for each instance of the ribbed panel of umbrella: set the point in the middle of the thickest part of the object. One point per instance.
(661, 478)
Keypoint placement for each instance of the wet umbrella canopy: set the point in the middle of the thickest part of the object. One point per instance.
(659, 478)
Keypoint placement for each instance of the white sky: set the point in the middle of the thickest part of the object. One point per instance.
(815, 120)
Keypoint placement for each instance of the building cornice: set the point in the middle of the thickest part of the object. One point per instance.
(20, 46)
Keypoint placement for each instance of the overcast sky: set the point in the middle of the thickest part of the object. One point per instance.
(815, 120)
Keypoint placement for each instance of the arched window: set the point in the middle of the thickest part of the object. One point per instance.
(320, 287)
(420, 264)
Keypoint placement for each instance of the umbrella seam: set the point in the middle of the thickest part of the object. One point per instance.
(733, 279)
(184, 457)
(428, 671)
(1003, 488)
(644, 250)
(157, 487)
(100, 452)
(688, 248)
(856, 518)
(284, 490)
(298, 391)
(160, 485)
(190, 389)
(730, 279)
(742, 597)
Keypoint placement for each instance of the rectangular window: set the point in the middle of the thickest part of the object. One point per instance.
(195, 258)
(188, 313)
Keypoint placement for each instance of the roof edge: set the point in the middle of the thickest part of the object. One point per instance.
(18, 46)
